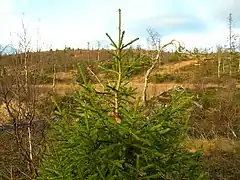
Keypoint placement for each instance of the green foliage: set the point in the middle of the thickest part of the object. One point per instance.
(160, 78)
(68, 49)
(109, 135)
(140, 63)
(84, 74)
(94, 146)
(195, 51)
(175, 57)
(65, 102)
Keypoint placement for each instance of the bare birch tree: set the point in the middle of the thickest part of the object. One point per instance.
(18, 93)
(156, 57)
(219, 60)
(24, 50)
(230, 43)
(98, 50)
(54, 71)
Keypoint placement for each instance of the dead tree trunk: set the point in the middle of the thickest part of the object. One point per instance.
(54, 73)
(146, 78)
(219, 59)
(230, 43)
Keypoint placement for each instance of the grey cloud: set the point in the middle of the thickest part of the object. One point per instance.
(170, 24)
(220, 10)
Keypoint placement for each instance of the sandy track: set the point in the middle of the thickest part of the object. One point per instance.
(153, 89)
(170, 68)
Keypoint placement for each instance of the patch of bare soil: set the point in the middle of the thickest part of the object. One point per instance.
(170, 68)
(66, 76)
(153, 89)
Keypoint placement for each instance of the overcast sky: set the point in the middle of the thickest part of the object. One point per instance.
(197, 23)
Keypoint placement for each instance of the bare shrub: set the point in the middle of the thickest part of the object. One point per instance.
(219, 116)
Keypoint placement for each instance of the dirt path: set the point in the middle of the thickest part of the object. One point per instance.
(167, 69)
(153, 89)
(170, 68)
